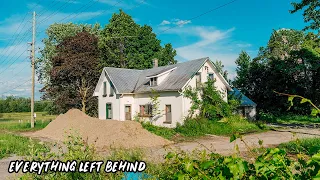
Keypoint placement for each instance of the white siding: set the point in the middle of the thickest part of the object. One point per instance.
(126, 99)
(166, 98)
(113, 100)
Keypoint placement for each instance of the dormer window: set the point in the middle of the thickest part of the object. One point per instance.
(153, 81)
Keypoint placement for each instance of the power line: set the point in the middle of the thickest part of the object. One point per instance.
(92, 1)
(63, 6)
(87, 8)
(24, 36)
(15, 38)
(16, 87)
(43, 11)
(207, 12)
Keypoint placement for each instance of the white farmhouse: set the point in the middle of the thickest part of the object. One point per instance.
(125, 93)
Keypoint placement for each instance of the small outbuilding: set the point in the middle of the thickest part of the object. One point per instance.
(247, 107)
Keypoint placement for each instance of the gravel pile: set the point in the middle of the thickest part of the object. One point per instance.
(103, 133)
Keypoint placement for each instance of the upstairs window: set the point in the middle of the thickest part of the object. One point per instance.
(211, 76)
(111, 89)
(153, 81)
(206, 68)
(104, 88)
(198, 80)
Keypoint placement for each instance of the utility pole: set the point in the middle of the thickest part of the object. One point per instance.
(32, 66)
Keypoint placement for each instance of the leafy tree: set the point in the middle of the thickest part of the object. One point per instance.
(209, 101)
(125, 44)
(311, 12)
(220, 68)
(243, 66)
(74, 73)
(289, 63)
(56, 34)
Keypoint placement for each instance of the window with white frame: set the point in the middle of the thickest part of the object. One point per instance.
(154, 81)
(146, 110)
(198, 79)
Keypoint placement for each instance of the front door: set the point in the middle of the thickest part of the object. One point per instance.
(128, 112)
(168, 114)
(108, 111)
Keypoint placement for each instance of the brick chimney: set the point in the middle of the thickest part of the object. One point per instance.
(155, 62)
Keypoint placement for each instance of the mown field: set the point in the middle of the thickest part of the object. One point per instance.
(21, 121)
(13, 123)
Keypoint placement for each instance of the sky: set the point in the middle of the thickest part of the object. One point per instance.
(218, 29)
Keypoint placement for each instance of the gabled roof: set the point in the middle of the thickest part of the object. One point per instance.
(245, 101)
(135, 81)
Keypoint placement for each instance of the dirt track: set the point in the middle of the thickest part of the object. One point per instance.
(222, 145)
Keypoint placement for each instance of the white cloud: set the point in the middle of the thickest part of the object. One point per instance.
(244, 45)
(182, 22)
(165, 22)
(175, 21)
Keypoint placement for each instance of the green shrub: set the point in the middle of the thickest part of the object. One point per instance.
(167, 133)
(309, 146)
(273, 163)
(210, 104)
(76, 149)
(195, 127)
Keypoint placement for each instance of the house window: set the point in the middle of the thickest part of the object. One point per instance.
(111, 89)
(104, 88)
(168, 114)
(206, 68)
(211, 76)
(146, 110)
(153, 81)
(198, 80)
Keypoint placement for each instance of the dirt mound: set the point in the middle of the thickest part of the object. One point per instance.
(103, 133)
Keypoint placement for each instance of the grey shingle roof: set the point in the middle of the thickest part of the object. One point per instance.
(134, 81)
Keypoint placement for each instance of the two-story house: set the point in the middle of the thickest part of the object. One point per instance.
(125, 93)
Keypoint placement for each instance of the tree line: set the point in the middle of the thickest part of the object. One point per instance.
(19, 104)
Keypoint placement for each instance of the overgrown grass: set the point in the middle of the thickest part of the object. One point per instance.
(288, 119)
(160, 131)
(201, 127)
(225, 127)
(309, 146)
(12, 144)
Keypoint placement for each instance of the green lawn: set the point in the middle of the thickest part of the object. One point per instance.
(10, 142)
